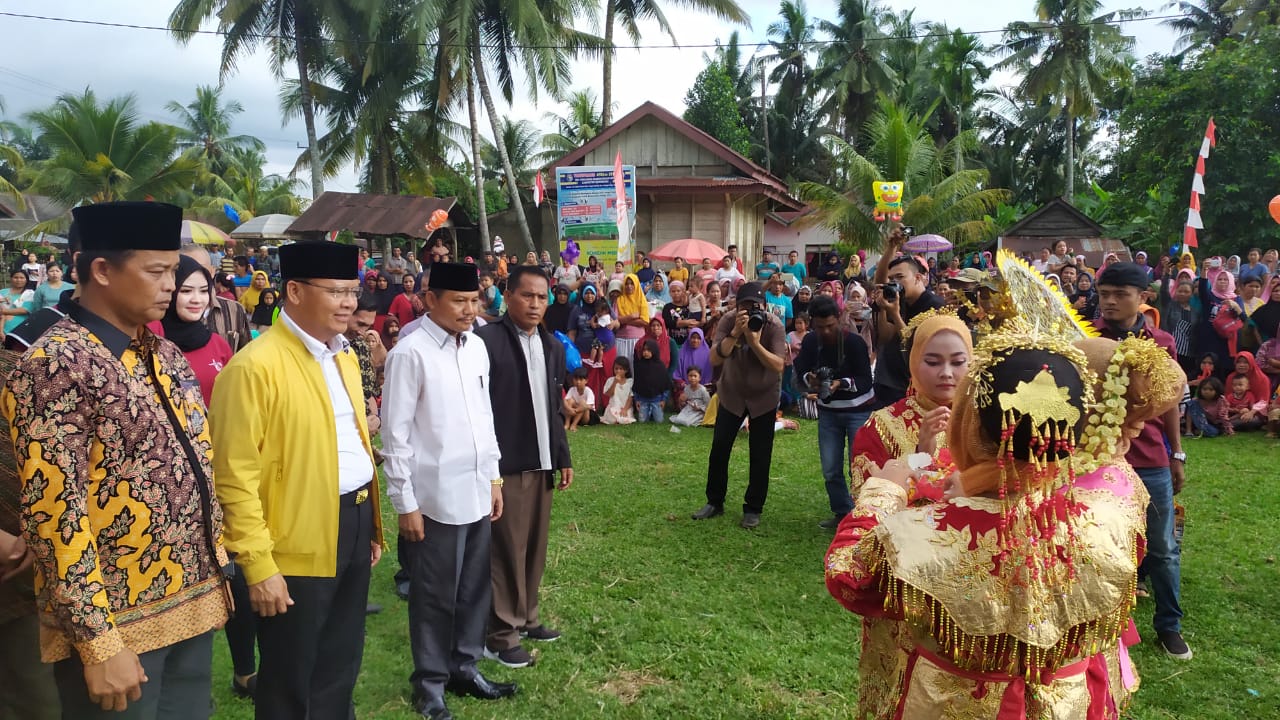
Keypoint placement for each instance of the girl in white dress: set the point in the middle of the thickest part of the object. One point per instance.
(621, 405)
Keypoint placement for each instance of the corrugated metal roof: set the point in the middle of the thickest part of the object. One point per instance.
(368, 214)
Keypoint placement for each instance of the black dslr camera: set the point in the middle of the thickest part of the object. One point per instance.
(822, 378)
(891, 291)
(756, 318)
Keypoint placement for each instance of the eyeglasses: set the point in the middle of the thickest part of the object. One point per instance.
(335, 293)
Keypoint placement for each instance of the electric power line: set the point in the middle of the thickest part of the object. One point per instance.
(672, 46)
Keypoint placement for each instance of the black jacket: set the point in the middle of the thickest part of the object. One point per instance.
(513, 418)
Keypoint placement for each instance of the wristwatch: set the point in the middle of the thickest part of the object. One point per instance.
(1179, 456)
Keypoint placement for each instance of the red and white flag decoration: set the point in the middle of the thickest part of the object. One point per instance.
(539, 190)
(1194, 222)
(624, 212)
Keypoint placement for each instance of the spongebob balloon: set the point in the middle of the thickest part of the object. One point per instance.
(888, 195)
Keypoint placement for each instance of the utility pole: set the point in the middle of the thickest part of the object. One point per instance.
(764, 115)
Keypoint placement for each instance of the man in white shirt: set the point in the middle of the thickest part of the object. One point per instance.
(441, 462)
(1041, 264)
(729, 273)
(396, 265)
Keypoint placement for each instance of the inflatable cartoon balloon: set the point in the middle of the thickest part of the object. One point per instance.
(1274, 207)
(570, 252)
(888, 196)
(437, 220)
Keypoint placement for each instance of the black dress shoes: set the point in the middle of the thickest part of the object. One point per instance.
(433, 708)
(478, 686)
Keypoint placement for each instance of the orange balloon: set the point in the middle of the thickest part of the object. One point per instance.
(1274, 207)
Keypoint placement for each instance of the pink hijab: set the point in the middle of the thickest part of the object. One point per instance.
(1230, 293)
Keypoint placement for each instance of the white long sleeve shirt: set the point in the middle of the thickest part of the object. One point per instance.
(440, 451)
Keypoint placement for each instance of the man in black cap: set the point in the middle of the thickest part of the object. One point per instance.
(1156, 455)
(441, 460)
(117, 504)
(749, 347)
(296, 476)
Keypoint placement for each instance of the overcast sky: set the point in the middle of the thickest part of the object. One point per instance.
(43, 59)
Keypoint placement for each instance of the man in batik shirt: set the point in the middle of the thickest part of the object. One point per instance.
(113, 452)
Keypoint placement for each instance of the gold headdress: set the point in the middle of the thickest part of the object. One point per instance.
(1023, 293)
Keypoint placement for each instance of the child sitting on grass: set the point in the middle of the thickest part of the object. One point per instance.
(1273, 416)
(1241, 410)
(694, 399)
(618, 388)
(652, 382)
(1207, 416)
(579, 403)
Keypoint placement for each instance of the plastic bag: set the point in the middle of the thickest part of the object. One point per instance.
(572, 358)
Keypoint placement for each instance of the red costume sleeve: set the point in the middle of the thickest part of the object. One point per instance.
(868, 450)
(855, 566)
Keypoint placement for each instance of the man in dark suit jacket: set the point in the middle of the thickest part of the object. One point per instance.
(527, 372)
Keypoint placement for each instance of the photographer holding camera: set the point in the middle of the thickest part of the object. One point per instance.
(902, 292)
(749, 347)
(836, 366)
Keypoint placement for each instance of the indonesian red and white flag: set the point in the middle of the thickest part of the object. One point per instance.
(539, 190)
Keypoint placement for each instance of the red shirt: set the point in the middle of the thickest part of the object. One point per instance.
(1148, 450)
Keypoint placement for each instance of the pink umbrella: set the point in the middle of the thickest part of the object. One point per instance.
(927, 243)
(691, 249)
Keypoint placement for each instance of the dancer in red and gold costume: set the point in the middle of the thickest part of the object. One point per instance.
(1016, 592)
(939, 358)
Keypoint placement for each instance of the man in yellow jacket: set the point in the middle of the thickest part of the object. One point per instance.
(295, 474)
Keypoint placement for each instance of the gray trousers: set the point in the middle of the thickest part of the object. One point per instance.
(449, 597)
(27, 690)
(178, 684)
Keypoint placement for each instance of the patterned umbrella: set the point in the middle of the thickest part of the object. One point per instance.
(927, 243)
(202, 234)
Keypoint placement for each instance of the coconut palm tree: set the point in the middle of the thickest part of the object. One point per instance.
(248, 189)
(852, 66)
(102, 153)
(958, 71)
(204, 125)
(1202, 24)
(580, 124)
(10, 156)
(938, 198)
(291, 30)
(1253, 15)
(1070, 55)
(631, 13)
(520, 139)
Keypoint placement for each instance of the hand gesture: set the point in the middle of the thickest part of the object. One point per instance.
(895, 471)
(935, 421)
(740, 325)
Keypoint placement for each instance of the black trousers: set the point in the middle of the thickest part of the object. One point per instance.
(761, 440)
(310, 655)
(242, 628)
(178, 684)
(449, 597)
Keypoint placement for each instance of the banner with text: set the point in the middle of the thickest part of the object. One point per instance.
(586, 209)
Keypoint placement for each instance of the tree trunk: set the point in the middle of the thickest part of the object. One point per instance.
(959, 131)
(764, 116)
(475, 163)
(512, 188)
(1071, 159)
(606, 115)
(309, 119)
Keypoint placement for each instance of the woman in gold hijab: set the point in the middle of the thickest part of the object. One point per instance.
(939, 358)
(1012, 594)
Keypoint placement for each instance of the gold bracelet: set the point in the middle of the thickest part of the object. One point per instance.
(497, 483)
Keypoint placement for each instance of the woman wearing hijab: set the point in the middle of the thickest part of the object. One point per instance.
(833, 290)
(830, 268)
(694, 353)
(632, 313)
(800, 303)
(584, 335)
(659, 294)
(1267, 317)
(668, 351)
(1233, 266)
(999, 589)
(265, 314)
(645, 273)
(1218, 298)
(855, 316)
(561, 315)
(183, 324)
(853, 271)
(1085, 298)
(249, 299)
(940, 351)
(406, 306)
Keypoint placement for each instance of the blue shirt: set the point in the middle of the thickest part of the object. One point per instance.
(797, 270)
(764, 270)
(779, 305)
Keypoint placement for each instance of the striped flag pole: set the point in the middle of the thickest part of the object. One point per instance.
(1194, 222)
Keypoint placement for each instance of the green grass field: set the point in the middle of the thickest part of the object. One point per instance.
(667, 618)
